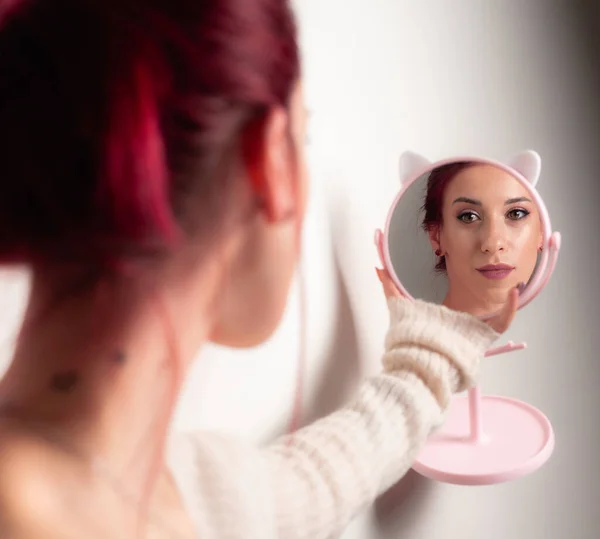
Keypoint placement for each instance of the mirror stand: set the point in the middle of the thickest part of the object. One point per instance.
(487, 439)
(476, 432)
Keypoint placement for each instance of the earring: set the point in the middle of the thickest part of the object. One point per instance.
(438, 252)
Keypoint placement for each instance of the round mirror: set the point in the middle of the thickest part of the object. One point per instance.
(464, 231)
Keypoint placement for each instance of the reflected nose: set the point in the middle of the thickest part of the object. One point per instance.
(494, 237)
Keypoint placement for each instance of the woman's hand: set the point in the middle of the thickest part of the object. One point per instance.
(499, 323)
(389, 287)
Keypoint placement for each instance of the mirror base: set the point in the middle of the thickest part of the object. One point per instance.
(517, 440)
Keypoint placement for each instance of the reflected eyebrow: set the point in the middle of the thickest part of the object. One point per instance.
(515, 200)
(467, 200)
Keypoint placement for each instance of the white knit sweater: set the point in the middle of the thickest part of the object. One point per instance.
(310, 484)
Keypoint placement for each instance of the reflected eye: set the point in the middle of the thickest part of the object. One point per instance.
(468, 217)
(517, 214)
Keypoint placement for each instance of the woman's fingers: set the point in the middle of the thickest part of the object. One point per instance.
(389, 288)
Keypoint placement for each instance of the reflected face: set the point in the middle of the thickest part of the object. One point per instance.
(490, 235)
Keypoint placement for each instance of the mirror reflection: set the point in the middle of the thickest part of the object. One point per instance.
(464, 234)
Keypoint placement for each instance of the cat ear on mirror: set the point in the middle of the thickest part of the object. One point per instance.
(410, 164)
(529, 164)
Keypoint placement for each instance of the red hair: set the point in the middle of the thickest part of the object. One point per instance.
(437, 183)
(116, 118)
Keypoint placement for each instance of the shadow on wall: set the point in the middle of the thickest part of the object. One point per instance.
(405, 502)
(587, 14)
(341, 372)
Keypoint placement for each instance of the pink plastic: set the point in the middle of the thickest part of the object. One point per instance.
(517, 440)
(486, 439)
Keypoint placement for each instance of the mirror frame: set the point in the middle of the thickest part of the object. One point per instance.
(551, 241)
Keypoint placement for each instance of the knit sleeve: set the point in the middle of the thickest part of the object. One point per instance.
(310, 484)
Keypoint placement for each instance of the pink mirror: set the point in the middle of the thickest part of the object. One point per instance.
(461, 232)
(487, 206)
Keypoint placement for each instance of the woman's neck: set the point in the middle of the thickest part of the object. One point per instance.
(102, 372)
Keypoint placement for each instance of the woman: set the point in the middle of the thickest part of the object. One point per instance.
(153, 181)
(486, 232)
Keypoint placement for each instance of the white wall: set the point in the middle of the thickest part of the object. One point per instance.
(441, 78)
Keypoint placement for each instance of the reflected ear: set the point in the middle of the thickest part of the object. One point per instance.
(529, 164)
(434, 239)
(410, 164)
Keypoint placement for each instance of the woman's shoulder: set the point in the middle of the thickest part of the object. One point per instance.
(24, 467)
(32, 477)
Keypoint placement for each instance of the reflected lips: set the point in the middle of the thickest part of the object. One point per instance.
(495, 271)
